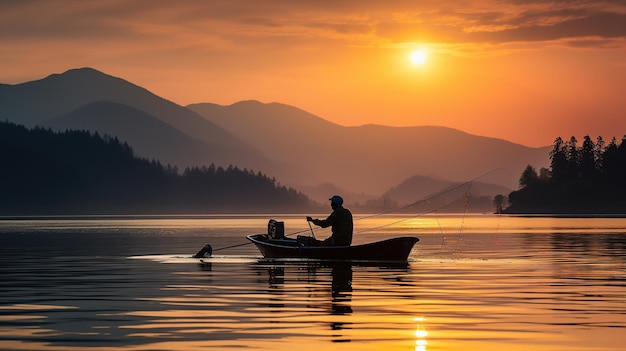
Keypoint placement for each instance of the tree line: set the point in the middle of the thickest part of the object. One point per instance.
(78, 172)
(585, 179)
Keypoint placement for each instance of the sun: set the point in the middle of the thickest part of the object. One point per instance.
(418, 57)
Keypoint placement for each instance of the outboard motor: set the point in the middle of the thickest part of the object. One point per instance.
(275, 229)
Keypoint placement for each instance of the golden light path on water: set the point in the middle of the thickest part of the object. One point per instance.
(473, 282)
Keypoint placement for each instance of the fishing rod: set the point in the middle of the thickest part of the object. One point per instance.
(312, 233)
(207, 250)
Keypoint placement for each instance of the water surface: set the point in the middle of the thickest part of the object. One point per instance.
(473, 282)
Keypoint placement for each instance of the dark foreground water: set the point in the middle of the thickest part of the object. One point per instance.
(472, 283)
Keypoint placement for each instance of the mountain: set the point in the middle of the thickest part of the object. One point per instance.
(150, 137)
(370, 158)
(296, 147)
(291, 136)
(417, 188)
(322, 192)
(76, 172)
(38, 102)
(411, 190)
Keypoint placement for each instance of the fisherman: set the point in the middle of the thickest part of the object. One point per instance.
(340, 220)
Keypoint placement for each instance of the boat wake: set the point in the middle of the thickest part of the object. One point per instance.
(190, 259)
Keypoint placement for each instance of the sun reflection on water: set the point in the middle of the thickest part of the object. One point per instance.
(474, 283)
(420, 334)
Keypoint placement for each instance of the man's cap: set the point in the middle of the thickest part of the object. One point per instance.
(337, 199)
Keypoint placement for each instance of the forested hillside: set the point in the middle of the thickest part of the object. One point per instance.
(76, 172)
(590, 179)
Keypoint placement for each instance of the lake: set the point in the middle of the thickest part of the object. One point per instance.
(473, 282)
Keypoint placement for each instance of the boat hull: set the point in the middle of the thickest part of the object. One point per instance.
(395, 249)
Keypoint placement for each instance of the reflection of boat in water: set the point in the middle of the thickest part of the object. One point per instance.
(395, 249)
(341, 291)
(324, 291)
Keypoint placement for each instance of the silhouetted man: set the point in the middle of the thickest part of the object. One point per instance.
(340, 220)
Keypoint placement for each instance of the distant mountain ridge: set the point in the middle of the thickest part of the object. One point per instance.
(298, 148)
(37, 102)
(145, 132)
(370, 158)
(420, 187)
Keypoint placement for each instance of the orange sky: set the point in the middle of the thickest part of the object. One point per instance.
(526, 71)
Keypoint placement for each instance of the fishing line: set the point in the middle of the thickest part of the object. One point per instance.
(433, 196)
(465, 209)
(207, 248)
(440, 231)
(429, 198)
(434, 210)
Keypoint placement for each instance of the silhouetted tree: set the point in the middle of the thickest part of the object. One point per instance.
(598, 152)
(529, 177)
(544, 175)
(586, 179)
(572, 156)
(587, 158)
(558, 160)
(499, 201)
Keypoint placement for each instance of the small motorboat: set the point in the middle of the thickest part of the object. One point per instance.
(275, 245)
(395, 249)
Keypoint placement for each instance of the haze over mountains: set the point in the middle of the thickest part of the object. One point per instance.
(369, 158)
(299, 149)
(46, 102)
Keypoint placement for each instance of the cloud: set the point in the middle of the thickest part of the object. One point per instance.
(279, 32)
(603, 25)
(351, 21)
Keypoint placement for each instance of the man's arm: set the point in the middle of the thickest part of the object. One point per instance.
(325, 222)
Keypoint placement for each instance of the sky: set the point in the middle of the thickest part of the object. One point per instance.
(525, 71)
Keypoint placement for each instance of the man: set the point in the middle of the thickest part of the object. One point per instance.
(340, 220)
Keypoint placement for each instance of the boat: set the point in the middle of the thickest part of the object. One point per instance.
(394, 249)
